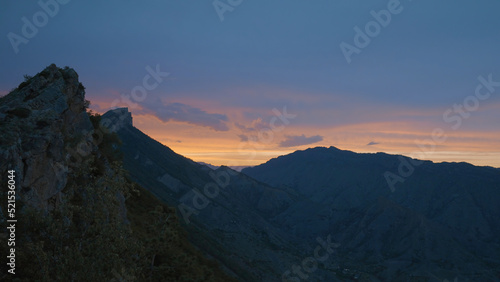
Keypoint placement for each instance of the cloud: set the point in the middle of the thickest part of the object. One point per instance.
(168, 140)
(243, 137)
(256, 125)
(372, 143)
(185, 113)
(242, 127)
(299, 140)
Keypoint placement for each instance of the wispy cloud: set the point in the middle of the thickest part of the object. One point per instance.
(255, 125)
(299, 140)
(243, 137)
(372, 143)
(186, 113)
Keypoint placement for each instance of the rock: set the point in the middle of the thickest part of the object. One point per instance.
(117, 119)
(44, 123)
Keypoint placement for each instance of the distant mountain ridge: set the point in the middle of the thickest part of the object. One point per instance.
(453, 207)
(214, 167)
(440, 223)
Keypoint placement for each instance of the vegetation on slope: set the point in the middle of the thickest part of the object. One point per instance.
(104, 227)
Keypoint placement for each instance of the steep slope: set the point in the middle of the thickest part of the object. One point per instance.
(152, 164)
(442, 220)
(42, 122)
(259, 231)
(79, 218)
(227, 213)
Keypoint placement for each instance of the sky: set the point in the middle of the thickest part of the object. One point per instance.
(237, 82)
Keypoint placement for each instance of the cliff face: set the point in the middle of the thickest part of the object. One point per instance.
(81, 218)
(44, 132)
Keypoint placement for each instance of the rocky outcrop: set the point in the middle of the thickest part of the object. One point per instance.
(44, 133)
(117, 119)
(71, 188)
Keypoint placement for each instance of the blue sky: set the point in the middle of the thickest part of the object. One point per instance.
(271, 54)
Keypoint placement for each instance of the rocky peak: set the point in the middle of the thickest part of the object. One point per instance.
(117, 119)
(44, 131)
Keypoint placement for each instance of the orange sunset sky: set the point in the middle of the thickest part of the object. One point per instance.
(206, 82)
(374, 129)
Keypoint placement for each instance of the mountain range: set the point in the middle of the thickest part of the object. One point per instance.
(320, 214)
(440, 222)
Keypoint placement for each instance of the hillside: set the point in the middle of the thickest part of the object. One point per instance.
(79, 216)
(438, 224)
(442, 221)
(232, 225)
